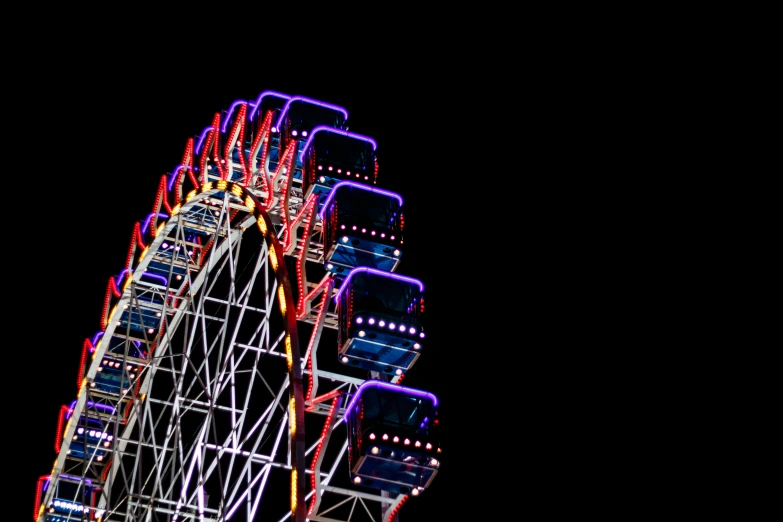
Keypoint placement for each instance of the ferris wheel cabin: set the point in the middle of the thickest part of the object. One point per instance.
(91, 441)
(294, 119)
(74, 499)
(392, 438)
(143, 313)
(362, 227)
(299, 118)
(118, 370)
(332, 155)
(379, 321)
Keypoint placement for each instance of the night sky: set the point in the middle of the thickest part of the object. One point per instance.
(93, 148)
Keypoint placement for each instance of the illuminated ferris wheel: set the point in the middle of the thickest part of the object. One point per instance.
(253, 344)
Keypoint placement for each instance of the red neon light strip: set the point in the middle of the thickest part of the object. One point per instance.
(138, 233)
(287, 155)
(286, 234)
(263, 132)
(300, 260)
(187, 162)
(262, 168)
(311, 295)
(327, 423)
(60, 434)
(396, 509)
(38, 488)
(87, 345)
(324, 397)
(106, 300)
(202, 162)
(204, 251)
(160, 197)
(324, 306)
(215, 132)
(288, 240)
(239, 121)
(115, 289)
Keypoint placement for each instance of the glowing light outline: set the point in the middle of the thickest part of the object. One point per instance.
(90, 404)
(379, 272)
(337, 131)
(75, 478)
(357, 185)
(149, 216)
(201, 138)
(230, 112)
(267, 93)
(174, 176)
(396, 387)
(310, 100)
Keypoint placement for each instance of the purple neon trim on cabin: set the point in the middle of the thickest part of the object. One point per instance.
(147, 221)
(230, 112)
(337, 131)
(307, 100)
(379, 272)
(74, 477)
(201, 138)
(156, 276)
(174, 176)
(357, 185)
(395, 387)
(266, 93)
(90, 404)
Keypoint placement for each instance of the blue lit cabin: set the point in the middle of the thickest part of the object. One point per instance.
(91, 441)
(172, 262)
(393, 438)
(332, 155)
(118, 371)
(74, 499)
(298, 118)
(362, 226)
(379, 321)
(144, 311)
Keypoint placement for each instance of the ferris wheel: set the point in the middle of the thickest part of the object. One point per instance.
(255, 340)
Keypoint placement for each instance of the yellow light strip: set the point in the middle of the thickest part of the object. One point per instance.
(292, 418)
(281, 298)
(262, 225)
(293, 492)
(289, 354)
